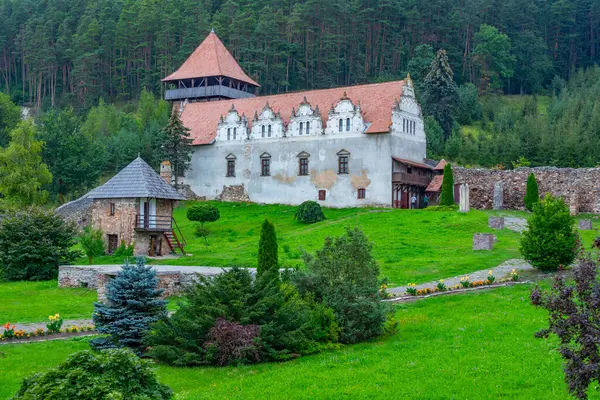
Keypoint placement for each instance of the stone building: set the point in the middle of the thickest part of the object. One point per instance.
(136, 207)
(344, 147)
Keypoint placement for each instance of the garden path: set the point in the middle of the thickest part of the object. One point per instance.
(515, 224)
(67, 323)
(499, 272)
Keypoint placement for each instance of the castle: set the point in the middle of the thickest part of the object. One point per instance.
(344, 147)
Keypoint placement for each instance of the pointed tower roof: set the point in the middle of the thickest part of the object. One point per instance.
(211, 58)
(440, 166)
(138, 179)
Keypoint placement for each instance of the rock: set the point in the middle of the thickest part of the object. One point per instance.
(498, 196)
(483, 241)
(496, 222)
(585, 224)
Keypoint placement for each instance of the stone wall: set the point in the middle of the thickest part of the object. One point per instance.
(78, 211)
(580, 188)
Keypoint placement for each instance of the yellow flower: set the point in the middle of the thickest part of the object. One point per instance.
(441, 281)
(489, 273)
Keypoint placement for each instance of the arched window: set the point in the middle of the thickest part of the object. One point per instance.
(263, 131)
(234, 133)
(228, 133)
(347, 124)
(340, 125)
(301, 128)
(403, 124)
(308, 128)
(269, 131)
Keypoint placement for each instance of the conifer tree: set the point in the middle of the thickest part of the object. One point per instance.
(178, 145)
(441, 93)
(447, 196)
(133, 304)
(267, 249)
(532, 194)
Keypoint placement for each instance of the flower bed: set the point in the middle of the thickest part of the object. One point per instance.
(53, 328)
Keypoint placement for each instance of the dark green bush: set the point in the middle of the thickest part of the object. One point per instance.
(33, 243)
(309, 212)
(442, 208)
(133, 304)
(203, 212)
(268, 259)
(111, 374)
(344, 276)
(550, 239)
(123, 250)
(532, 194)
(447, 196)
(233, 319)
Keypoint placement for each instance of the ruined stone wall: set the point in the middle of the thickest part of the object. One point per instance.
(580, 188)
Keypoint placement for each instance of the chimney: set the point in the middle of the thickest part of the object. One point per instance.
(165, 171)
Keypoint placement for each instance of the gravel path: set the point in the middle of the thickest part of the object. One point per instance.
(499, 272)
(35, 325)
(515, 224)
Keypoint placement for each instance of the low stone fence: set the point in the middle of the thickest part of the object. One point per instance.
(171, 279)
(579, 187)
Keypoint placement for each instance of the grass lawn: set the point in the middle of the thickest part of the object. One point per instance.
(409, 245)
(472, 346)
(34, 301)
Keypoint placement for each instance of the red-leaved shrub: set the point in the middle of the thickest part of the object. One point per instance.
(232, 343)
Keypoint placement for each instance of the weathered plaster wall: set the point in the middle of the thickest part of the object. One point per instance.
(580, 188)
(369, 165)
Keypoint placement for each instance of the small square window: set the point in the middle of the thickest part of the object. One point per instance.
(322, 194)
(303, 170)
(343, 165)
(361, 193)
(112, 208)
(265, 167)
(230, 168)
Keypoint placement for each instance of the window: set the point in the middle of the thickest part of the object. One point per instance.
(308, 128)
(112, 208)
(404, 125)
(361, 193)
(303, 166)
(263, 131)
(343, 165)
(301, 128)
(265, 167)
(340, 125)
(228, 133)
(113, 243)
(234, 133)
(269, 131)
(322, 193)
(347, 124)
(230, 167)
(409, 169)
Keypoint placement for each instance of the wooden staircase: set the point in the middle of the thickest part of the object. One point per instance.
(175, 239)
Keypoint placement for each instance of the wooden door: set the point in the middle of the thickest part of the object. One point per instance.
(404, 200)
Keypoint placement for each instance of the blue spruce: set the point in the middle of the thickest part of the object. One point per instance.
(133, 305)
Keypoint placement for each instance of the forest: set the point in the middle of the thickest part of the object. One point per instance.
(520, 81)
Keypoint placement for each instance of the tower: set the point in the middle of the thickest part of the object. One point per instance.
(209, 73)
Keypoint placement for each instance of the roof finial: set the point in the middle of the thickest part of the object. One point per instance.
(139, 155)
(212, 30)
(408, 80)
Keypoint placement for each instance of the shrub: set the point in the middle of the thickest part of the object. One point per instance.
(550, 239)
(111, 374)
(532, 195)
(203, 213)
(33, 243)
(309, 212)
(232, 319)
(92, 243)
(453, 207)
(268, 260)
(447, 196)
(133, 304)
(343, 275)
(123, 250)
(574, 316)
(203, 233)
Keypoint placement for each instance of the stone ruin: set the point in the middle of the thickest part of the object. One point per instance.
(483, 241)
(496, 222)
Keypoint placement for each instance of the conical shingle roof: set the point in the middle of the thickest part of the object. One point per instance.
(211, 58)
(136, 180)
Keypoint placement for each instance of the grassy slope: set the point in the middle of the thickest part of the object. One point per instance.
(474, 346)
(410, 245)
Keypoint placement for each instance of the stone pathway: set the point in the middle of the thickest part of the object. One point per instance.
(515, 224)
(499, 272)
(35, 325)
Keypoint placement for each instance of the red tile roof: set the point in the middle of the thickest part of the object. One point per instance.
(412, 163)
(441, 165)
(435, 184)
(211, 58)
(376, 102)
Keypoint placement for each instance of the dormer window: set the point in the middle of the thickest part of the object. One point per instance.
(263, 131)
(269, 131)
(301, 128)
(228, 133)
(308, 128)
(234, 133)
(347, 124)
(340, 125)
